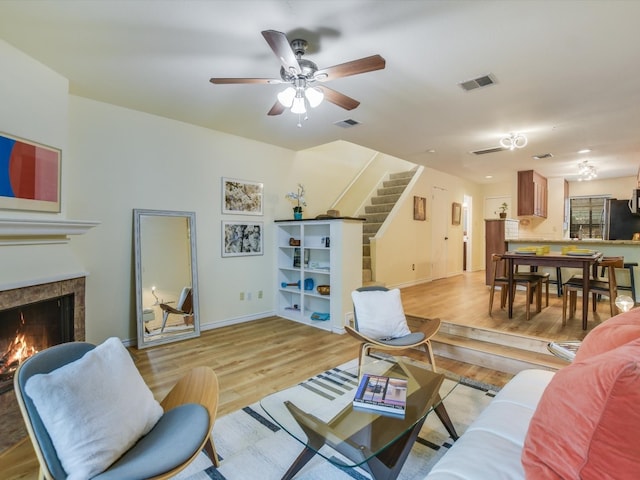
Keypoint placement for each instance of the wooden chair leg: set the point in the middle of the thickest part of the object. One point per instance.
(491, 300)
(503, 297)
(538, 288)
(564, 307)
(547, 293)
(573, 300)
(528, 303)
(429, 350)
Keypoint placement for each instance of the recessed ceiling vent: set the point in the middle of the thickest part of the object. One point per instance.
(543, 155)
(489, 150)
(348, 123)
(479, 82)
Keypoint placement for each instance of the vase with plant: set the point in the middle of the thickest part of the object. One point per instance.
(297, 198)
(503, 210)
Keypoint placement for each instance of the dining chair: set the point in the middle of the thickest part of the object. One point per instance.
(379, 323)
(598, 286)
(532, 284)
(544, 278)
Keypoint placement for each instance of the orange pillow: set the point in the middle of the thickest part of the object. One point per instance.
(587, 424)
(610, 334)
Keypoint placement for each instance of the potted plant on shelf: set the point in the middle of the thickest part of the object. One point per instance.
(503, 210)
(298, 199)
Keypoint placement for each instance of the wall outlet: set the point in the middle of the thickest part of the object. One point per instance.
(241, 296)
(259, 293)
(248, 295)
(348, 319)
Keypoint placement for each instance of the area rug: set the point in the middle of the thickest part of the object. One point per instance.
(251, 445)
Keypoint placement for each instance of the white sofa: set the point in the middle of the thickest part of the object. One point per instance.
(581, 422)
(492, 445)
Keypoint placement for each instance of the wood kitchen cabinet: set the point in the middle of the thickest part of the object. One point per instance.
(532, 194)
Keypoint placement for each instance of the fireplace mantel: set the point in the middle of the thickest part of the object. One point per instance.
(38, 231)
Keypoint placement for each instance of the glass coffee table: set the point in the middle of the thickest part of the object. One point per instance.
(319, 412)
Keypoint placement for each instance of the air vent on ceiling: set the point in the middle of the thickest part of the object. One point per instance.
(543, 155)
(479, 82)
(348, 123)
(488, 150)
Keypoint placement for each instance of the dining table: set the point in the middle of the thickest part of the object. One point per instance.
(584, 259)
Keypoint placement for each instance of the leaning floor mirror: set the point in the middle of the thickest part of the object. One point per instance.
(166, 276)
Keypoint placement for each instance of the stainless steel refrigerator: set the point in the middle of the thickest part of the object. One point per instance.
(618, 221)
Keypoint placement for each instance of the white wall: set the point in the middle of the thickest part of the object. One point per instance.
(124, 159)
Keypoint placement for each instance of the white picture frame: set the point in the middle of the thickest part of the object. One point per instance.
(241, 239)
(242, 197)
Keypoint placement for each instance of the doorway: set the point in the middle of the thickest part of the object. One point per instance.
(441, 216)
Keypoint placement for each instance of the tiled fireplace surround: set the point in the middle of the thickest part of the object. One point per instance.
(11, 422)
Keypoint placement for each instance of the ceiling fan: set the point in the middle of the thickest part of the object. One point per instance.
(304, 77)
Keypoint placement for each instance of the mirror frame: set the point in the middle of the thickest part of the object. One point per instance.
(191, 231)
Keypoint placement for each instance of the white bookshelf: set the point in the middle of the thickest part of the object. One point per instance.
(336, 262)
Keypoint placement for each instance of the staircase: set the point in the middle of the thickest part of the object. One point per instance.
(505, 352)
(377, 212)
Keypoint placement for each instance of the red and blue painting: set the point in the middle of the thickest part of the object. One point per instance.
(29, 175)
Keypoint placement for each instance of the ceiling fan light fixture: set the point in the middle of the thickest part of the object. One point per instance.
(298, 105)
(513, 141)
(286, 96)
(314, 96)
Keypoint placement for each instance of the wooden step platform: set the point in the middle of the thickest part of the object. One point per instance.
(505, 352)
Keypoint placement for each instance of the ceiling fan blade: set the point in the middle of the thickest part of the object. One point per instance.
(339, 99)
(229, 81)
(363, 65)
(281, 47)
(277, 109)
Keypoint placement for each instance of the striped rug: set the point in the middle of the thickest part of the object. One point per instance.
(252, 446)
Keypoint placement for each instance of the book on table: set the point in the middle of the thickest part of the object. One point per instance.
(382, 394)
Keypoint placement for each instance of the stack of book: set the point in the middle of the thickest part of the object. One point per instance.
(382, 394)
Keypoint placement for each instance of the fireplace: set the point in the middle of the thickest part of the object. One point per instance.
(28, 329)
(33, 318)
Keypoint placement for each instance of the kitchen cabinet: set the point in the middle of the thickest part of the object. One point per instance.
(532, 194)
(498, 233)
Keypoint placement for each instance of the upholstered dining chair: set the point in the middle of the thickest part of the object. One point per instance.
(598, 286)
(89, 414)
(529, 280)
(379, 323)
(184, 307)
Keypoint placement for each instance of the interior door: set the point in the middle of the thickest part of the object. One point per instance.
(441, 216)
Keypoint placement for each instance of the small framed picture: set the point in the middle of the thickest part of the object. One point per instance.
(241, 239)
(419, 208)
(456, 213)
(241, 197)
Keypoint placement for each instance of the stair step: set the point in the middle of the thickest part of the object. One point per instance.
(375, 217)
(408, 174)
(496, 350)
(366, 250)
(366, 239)
(380, 200)
(382, 208)
(398, 182)
(385, 191)
(371, 228)
(366, 276)
(366, 263)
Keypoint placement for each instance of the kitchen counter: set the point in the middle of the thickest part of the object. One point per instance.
(628, 249)
(591, 241)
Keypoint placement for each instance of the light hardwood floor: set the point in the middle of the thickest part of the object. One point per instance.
(256, 358)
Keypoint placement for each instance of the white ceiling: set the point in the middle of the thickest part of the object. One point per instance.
(567, 72)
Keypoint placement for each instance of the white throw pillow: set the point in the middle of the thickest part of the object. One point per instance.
(380, 313)
(94, 409)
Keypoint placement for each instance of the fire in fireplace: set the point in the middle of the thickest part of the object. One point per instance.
(27, 329)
